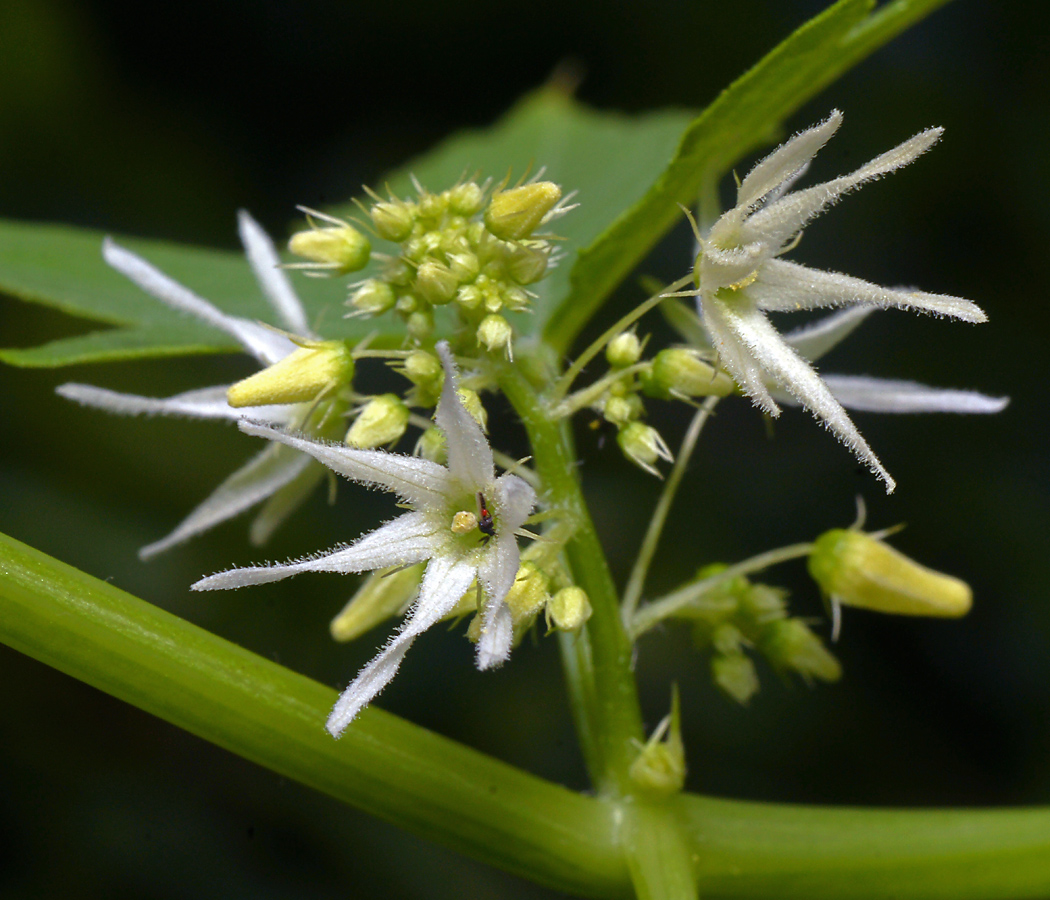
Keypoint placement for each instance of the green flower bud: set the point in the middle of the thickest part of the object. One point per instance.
(527, 265)
(393, 220)
(466, 199)
(569, 609)
(470, 296)
(398, 272)
(436, 282)
(382, 421)
(464, 266)
(623, 350)
(857, 569)
(373, 297)
(495, 334)
(660, 766)
(681, 373)
(515, 299)
(622, 410)
(643, 446)
(433, 206)
(515, 214)
(734, 674)
(297, 378)
(420, 325)
(380, 596)
(789, 645)
(341, 248)
(423, 369)
(431, 445)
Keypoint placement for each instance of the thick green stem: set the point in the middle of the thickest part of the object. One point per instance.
(597, 660)
(269, 714)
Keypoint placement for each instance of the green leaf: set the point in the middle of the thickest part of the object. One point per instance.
(745, 116)
(607, 158)
(62, 268)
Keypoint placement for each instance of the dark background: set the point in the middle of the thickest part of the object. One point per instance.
(164, 123)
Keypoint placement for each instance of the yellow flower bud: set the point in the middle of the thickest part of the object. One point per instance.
(857, 569)
(341, 248)
(382, 421)
(379, 597)
(297, 378)
(515, 214)
(528, 595)
(474, 406)
(569, 609)
(679, 372)
(465, 199)
(393, 220)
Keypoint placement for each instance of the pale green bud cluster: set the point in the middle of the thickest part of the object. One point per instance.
(463, 249)
(738, 616)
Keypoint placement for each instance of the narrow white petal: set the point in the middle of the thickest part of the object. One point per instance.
(736, 357)
(406, 540)
(778, 222)
(786, 287)
(252, 483)
(264, 344)
(444, 582)
(812, 341)
(787, 161)
(497, 634)
(206, 403)
(469, 454)
(272, 279)
(419, 481)
(886, 395)
(799, 378)
(515, 499)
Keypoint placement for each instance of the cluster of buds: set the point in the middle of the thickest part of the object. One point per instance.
(737, 616)
(466, 247)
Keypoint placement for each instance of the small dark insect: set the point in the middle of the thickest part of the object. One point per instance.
(485, 524)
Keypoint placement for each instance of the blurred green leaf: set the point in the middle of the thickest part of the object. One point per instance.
(747, 115)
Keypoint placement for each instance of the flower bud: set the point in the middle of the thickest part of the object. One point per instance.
(393, 220)
(420, 324)
(643, 446)
(678, 372)
(436, 282)
(660, 766)
(465, 199)
(299, 377)
(569, 609)
(622, 410)
(789, 645)
(734, 674)
(464, 266)
(342, 248)
(379, 597)
(623, 350)
(527, 265)
(528, 595)
(373, 297)
(857, 569)
(474, 406)
(495, 333)
(515, 214)
(382, 421)
(432, 445)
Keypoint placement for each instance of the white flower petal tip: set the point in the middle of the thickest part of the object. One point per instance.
(740, 279)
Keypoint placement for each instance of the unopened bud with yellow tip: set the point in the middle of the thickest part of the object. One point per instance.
(301, 376)
(379, 597)
(381, 421)
(339, 247)
(515, 214)
(858, 569)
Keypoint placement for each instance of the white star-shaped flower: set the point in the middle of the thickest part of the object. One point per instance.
(274, 469)
(740, 278)
(462, 518)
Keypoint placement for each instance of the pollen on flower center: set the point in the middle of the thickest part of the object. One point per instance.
(464, 522)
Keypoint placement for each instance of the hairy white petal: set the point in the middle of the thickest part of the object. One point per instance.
(407, 540)
(497, 635)
(736, 357)
(444, 582)
(263, 343)
(205, 403)
(271, 277)
(886, 395)
(812, 341)
(779, 222)
(419, 481)
(797, 377)
(469, 455)
(786, 286)
(787, 161)
(516, 499)
(251, 484)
